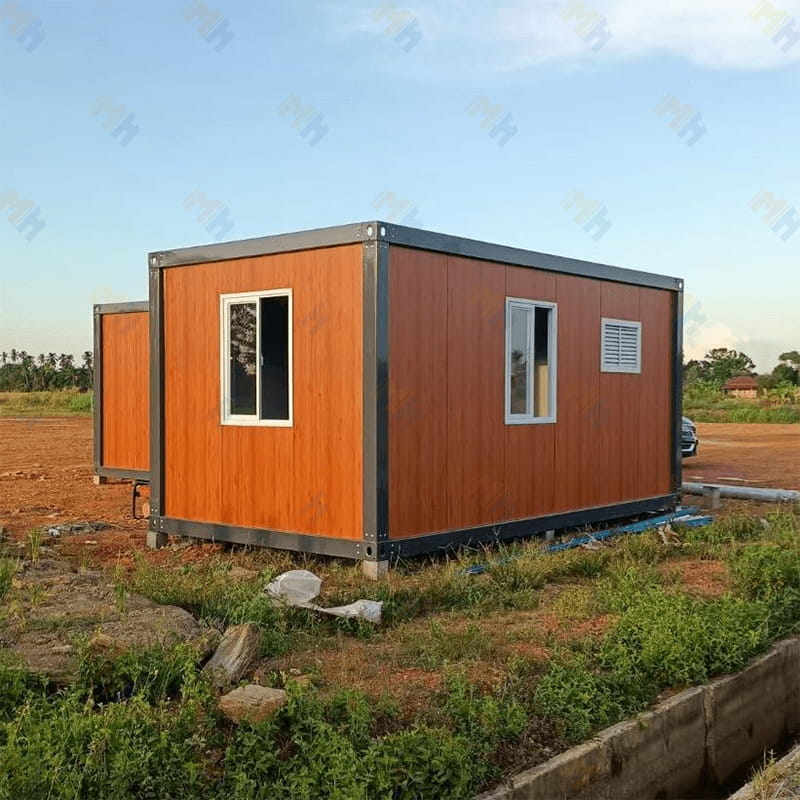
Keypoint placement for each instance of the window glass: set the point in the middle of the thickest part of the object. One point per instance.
(275, 357)
(520, 339)
(242, 358)
(541, 381)
(530, 361)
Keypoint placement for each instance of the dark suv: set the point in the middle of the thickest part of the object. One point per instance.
(689, 440)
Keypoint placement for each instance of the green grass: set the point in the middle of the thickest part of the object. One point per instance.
(715, 407)
(45, 404)
(8, 568)
(145, 724)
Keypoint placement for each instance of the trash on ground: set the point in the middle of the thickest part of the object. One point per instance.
(300, 588)
(76, 529)
(687, 516)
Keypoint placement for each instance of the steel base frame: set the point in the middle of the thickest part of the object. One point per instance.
(394, 549)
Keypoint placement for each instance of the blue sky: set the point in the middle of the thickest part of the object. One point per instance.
(584, 120)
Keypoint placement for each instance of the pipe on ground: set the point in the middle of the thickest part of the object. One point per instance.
(745, 492)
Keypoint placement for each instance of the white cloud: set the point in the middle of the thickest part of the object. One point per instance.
(705, 337)
(482, 37)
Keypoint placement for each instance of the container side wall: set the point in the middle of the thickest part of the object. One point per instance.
(453, 462)
(125, 391)
(306, 478)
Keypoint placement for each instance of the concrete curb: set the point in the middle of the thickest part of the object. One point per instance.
(707, 734)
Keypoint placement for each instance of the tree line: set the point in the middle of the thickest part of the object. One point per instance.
(721, 364)
(22, 372)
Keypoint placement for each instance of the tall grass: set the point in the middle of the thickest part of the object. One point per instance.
(67, 402)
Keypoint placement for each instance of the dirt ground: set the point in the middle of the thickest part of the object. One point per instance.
(46, 479)
(46, 474)
(750, 455)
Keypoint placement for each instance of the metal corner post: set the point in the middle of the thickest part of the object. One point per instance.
(375, 394)
(156, 393)
(677, 387)
(97, 390)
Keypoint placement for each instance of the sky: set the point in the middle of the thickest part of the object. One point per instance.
(628, 132)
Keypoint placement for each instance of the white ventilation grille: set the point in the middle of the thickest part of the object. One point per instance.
(621, 346)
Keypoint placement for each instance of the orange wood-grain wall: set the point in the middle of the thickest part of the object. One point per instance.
(125, 353)
(306, 478)
(453, 462)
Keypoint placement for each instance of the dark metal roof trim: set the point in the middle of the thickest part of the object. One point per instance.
(122, 308)
(409, 237)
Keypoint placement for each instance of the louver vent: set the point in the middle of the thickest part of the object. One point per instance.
(621, 346)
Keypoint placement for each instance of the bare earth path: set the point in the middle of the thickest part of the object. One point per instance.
(46, 472)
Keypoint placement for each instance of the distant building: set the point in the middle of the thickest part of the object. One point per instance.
(741, 386)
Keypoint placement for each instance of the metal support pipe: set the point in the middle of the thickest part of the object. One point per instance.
(745, 492)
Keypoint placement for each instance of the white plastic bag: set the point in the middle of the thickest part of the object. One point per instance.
(299, 588)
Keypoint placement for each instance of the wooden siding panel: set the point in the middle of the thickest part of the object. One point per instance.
(619, 407)
(529, 449)
(577, 467)
(481, 471)
(126, 400)
(475, 400)
(306, 478)
(418, 390)
(655, 398)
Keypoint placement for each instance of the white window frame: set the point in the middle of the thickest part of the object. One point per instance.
(635, 370)
(552, 332)
(225, 301)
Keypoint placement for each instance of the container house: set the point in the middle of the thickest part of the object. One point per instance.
(122, 386)
(375, 391)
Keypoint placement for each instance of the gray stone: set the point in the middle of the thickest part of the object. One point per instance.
(661, 753)
(747, 714)
(156, 540)
(252, 703)
(375, 570)
(236, 655)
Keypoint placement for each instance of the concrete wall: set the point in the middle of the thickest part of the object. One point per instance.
(704, 735)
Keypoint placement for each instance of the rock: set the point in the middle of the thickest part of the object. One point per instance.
(252, 703)
(82, 604)
(236, 654)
